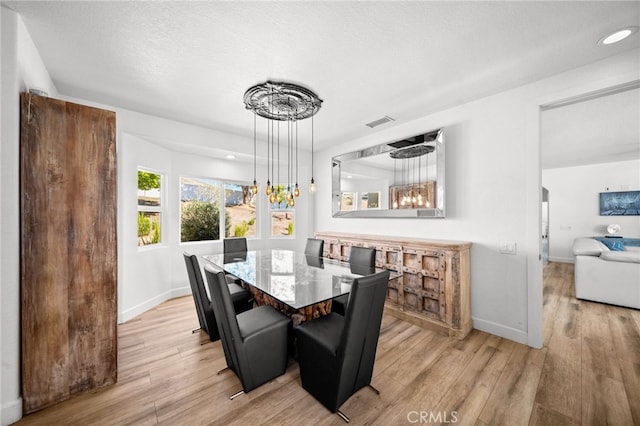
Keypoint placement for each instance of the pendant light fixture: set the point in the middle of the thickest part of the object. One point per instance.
(411, 192)
(312, 185)
(255, 183)
(290, 103)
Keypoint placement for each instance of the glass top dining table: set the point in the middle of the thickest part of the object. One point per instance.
(290, 277)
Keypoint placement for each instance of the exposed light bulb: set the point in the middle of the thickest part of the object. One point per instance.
(272, 198)
(255, 187)
(312, 186)
(296, 191)
(268, 189)
(395, 204)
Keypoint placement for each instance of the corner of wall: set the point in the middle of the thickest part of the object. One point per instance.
(11, 412)
(151, 303)
(501, 330)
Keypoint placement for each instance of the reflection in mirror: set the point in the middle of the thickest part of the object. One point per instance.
(346, 201)
(403, 178)
(370, 200)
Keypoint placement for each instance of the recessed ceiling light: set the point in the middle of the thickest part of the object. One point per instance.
(230, 156)
(618, 35)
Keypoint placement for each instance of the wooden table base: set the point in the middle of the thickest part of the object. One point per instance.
(297, 315)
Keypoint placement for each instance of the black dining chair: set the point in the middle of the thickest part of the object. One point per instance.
(234, 249)
(336, 353)
(362, 261)
(255, 342)
(241, 298)
(316, 262)
(234, 245)
(314, 247)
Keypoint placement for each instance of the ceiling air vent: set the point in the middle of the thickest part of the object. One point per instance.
(380, 121)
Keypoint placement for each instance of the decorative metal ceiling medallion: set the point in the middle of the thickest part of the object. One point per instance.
(282, 101)
(411, 152)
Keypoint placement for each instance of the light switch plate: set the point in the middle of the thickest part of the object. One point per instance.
(508, 248)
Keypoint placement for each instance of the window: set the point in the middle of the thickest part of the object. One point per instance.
(149, 208)
(240, 210)
(346, 201)
(370, 200)
(200, 201)
(282, 215)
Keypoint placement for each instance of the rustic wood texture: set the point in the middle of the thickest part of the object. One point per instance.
(297, 315)
(168, 376)
(434, 289)
(68, 250)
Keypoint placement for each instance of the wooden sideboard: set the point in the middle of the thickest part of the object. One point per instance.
(433, 290)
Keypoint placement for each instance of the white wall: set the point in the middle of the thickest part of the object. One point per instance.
(493, 193)
(150, 275)
(22, 69)
(485, 158)
(573, 203)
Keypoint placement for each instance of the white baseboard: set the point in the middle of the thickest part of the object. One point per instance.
(562, 259)
(182, 291)
(11, 412)
(500, 330)
(152, 303)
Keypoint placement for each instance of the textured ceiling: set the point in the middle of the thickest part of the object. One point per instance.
(193, 61)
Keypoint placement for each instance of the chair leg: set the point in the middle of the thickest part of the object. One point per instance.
(224, 369)
(374, 389)
(343, 416)
(197, 330)
(235, 395)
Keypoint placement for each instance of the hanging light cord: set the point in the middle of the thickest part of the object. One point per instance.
(254, 148)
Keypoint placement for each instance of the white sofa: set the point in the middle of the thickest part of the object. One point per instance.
(607, 276)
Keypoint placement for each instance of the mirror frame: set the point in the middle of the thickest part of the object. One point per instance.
(434, 138)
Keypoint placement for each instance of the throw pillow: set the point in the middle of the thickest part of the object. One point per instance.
(613, 244)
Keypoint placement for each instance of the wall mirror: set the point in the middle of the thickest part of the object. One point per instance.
(401, 178)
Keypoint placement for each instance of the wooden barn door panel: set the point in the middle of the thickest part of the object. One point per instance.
(68, 250)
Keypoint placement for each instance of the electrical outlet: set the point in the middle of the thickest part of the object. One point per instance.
(508, 248)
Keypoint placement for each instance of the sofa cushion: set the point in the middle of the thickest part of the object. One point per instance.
(588, 247)
(613, 244)
(621, 256)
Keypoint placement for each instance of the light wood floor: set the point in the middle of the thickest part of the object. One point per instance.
(587, 373)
